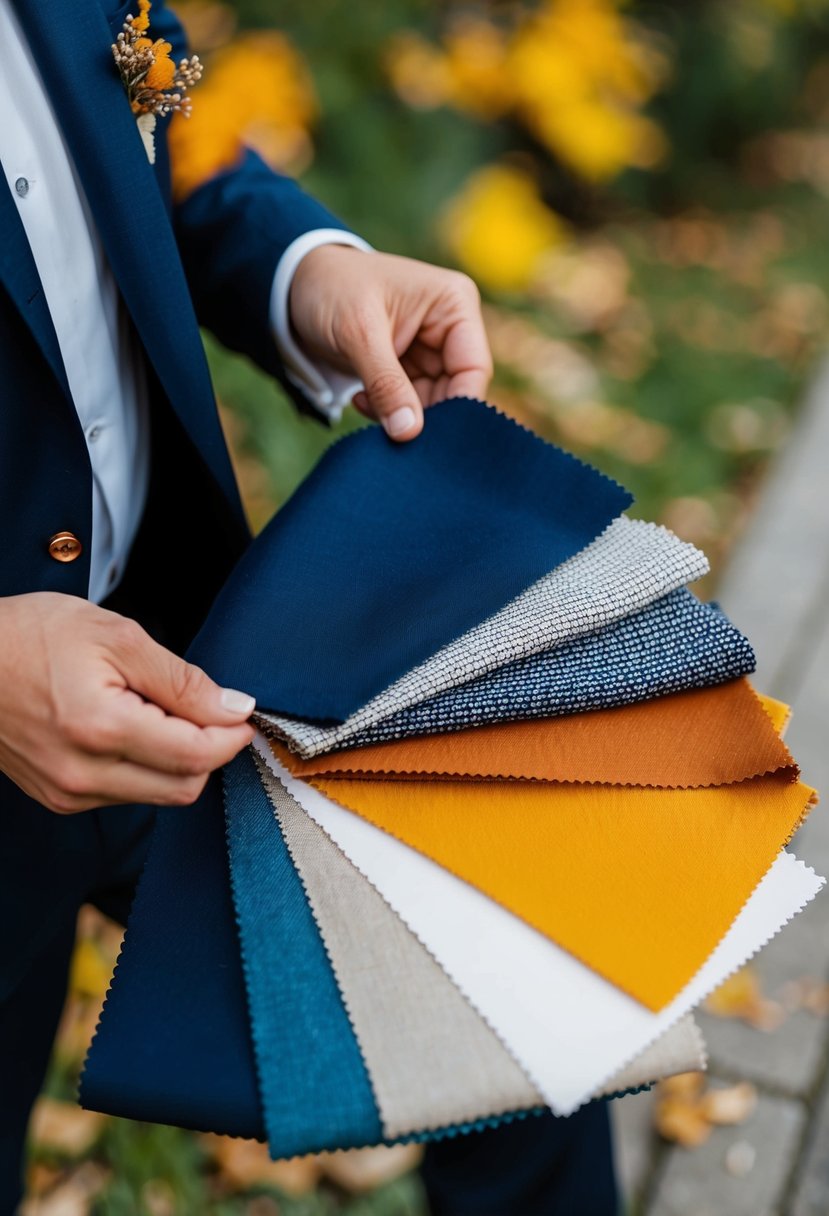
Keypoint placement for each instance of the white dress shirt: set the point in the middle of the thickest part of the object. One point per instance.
(101, 353)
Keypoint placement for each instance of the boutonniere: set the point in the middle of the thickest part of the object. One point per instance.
(154, 84)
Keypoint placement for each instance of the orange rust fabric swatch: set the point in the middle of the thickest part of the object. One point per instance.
(639, 884)
(709, 736)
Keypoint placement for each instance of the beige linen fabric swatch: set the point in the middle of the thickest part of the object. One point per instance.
(431, 1058)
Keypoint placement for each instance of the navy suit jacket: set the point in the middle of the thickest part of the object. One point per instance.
(208, 261)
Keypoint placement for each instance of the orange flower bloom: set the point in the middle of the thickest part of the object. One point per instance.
(163, 71)
(142, 21)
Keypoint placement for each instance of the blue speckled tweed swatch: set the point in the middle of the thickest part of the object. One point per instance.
(675, 644)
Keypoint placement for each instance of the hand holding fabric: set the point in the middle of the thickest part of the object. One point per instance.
(94, 712)
(412, 332)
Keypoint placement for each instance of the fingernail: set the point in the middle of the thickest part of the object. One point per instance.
(400, 421)
(236, 702)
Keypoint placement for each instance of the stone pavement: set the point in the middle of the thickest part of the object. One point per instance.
(777, 590)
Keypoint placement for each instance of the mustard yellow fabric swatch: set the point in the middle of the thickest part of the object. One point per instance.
(640, 884)
(779, 712)
(708, 736)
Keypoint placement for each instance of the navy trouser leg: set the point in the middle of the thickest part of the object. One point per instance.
(535, 1167)
(28, 1020)
(103, 872)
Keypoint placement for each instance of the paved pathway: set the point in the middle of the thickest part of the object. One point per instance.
(777, 590)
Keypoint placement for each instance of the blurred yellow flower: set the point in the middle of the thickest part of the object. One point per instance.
(579, 74)
(418, 71)
(201, 145)
(90, 971)
(208, 24)
(259, 93)
(593, 37)
(573, 71)
(476, 63)
(599, 141)
(498, 227)
(468, 71)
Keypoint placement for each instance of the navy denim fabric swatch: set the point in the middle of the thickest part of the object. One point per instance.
(674, 644)
(315, 1088)
(388, 551)
(173, 1044)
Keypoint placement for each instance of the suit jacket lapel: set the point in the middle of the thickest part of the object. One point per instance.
(72, 49)
(18, 273)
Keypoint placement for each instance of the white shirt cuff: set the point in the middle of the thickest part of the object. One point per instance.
(328, 389)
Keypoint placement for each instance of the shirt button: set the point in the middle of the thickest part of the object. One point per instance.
(65, 547)
(22, 186)
(94, 432)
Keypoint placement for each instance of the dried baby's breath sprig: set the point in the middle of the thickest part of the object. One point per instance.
(155, 85)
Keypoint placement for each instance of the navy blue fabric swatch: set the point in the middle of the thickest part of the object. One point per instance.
(314, 1085)
(173, 1044)
(674, 644)
(388, 551)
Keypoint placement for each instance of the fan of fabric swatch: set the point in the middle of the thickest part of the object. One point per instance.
(189, 1037)
(517, 814)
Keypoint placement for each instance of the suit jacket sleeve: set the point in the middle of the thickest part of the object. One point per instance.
(231, 233)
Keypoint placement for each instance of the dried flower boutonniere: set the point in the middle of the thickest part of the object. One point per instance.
(155, 85)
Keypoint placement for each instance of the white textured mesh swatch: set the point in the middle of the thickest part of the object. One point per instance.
(628, 567)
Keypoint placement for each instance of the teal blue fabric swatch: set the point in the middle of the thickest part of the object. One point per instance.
(314, 1085)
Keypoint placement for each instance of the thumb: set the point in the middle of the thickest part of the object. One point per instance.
(389, 396)
(178, 687)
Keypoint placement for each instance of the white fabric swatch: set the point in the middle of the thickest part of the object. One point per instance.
(629, 566)
(569, 1029)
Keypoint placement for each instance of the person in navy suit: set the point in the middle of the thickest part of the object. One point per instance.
(122, 518)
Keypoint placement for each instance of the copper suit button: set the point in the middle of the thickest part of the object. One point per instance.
(65, 547)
